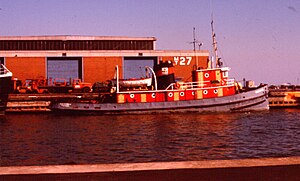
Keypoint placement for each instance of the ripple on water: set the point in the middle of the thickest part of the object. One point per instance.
(45, 139)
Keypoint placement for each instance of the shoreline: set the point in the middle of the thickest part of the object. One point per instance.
(286, 168)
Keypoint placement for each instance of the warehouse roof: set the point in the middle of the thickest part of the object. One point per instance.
(68, 42)
(75, 37)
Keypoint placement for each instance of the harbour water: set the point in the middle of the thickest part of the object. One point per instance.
(49, 139)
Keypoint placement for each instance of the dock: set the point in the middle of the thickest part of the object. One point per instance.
(284, 168)
(41, 102)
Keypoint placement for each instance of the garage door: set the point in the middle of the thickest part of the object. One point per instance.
(64, 67)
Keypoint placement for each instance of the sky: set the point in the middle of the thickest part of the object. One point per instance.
(258, 39)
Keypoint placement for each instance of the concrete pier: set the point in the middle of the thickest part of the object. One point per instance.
(285, 168)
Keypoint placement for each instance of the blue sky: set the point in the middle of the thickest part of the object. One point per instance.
(258, 39)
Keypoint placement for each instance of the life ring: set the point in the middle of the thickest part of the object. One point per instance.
(170, 94)
(205, 92)
(181, 94)
(223, 83)
(131, 96)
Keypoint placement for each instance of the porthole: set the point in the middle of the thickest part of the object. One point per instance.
(206, 75)
(153, 95)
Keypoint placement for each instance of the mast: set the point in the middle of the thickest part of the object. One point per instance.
(194, 42)
(218, 59)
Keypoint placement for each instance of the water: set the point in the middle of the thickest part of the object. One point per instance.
(47, 139)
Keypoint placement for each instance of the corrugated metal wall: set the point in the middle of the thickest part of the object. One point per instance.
(76, 45)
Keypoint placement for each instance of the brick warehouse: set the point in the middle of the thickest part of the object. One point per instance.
(91, 58)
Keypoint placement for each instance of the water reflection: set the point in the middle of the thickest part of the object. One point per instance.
(52, 139)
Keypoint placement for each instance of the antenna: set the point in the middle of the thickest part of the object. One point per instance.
(200, 44)
(194, 42)
(194, 36)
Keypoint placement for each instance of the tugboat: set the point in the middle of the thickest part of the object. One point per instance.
(211, 90)
(5, 80)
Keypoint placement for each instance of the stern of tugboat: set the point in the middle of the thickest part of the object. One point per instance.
(253, 99)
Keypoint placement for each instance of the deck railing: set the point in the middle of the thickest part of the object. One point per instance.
(200, 85)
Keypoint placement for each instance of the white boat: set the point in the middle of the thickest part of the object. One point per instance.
(131, 83)
(5, 81)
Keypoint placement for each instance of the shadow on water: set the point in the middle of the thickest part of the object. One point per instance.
(43, 139)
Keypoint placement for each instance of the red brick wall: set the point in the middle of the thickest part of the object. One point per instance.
(98, 69)
(26, 67)
(95, 69)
